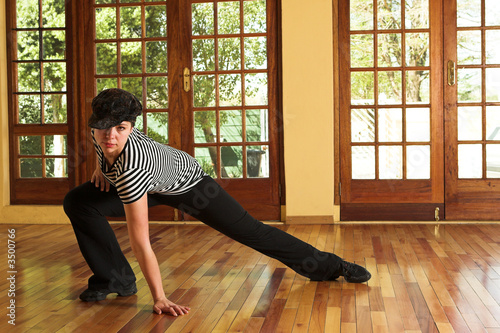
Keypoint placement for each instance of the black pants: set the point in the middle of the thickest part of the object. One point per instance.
(88, 206)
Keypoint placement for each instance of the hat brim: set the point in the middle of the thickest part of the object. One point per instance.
(103, 123)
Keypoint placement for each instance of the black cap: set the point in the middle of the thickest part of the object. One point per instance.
(113, 106)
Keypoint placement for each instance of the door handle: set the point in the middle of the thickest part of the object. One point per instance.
(451, 73)
(186, 76)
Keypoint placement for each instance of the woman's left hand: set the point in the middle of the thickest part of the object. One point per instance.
(163, 305)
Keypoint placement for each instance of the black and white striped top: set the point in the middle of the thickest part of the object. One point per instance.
(147, 166)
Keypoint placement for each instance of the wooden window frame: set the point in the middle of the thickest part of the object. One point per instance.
(37, 190)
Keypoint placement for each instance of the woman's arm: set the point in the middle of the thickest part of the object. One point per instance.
(138, 230)
(99, 180)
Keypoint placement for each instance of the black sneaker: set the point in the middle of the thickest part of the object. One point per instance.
(99, 295)
(354, 273)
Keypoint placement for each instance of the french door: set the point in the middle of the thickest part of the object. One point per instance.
(419, 112)
(472, 110)
(206, 74)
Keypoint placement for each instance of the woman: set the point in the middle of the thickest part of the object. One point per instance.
(134, 173)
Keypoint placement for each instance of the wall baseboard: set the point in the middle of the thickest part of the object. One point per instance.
(318, 219)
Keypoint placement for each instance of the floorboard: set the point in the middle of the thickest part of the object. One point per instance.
(425, 278)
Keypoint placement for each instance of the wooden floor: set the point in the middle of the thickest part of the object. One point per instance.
(426, 278)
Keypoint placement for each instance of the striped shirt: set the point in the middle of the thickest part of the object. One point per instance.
(147, 166)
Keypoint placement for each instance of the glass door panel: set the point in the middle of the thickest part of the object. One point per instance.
(473, 104)
(232, 54)
(392, 113)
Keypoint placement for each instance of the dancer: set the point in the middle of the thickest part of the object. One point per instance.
(135, 172)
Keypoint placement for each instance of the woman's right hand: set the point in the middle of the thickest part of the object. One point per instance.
(99, 180)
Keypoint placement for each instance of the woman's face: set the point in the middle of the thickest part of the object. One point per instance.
(113, 139)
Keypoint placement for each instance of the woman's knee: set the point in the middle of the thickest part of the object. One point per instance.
(77, 199)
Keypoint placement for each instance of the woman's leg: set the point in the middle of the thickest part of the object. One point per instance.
(209, 203)
(87, 208)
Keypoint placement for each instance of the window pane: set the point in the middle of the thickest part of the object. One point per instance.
(203, 55)
(106, 58)
(254, 16)
(205, 128)
(492, 161)
(389, 87)
(56, 109)
(256, 53)
(389, 50)
(157, 92)
(133, 85)
(28, 77)
(258, 161)
(361, 14)
(469, 123)
(30, 109)
(362, 125)
(130, 22)
(54, 76)
(469, 13)
(31, 167)
(55, 145)
(230, 126)
(204, 90)
(257, 129)
(391, 162)
(54, 45)
(229, 89)
(105, 23)
(203, 18)
(56, 167)
(417, 87)
(493, 123)
(231, 161)
(27, 14)
(30, 145)
(418, 162)
(418, 126)
(256, 89)
(207, 157)
(158, 126)
(390, 125)
(131, 61)
(362, 50)
(492, 8)
(362, 90)
(363, 162)
(229, 54)
(469, 84)
(469, 47)
(492, 84)
(106, 84)
(492, 42)
(28, 45)
(228, 16)
(389, 14)
(470, 161)
(156, 57)
(417, 49)
(416, 14)
(156, 21)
